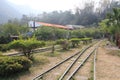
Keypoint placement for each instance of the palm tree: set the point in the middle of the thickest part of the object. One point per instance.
(114, 22)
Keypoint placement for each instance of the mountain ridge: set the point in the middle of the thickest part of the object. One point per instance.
(7, 12)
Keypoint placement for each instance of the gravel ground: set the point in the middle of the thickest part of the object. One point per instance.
(84, 72)
(108, 66)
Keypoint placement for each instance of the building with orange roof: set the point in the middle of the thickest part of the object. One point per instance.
(34, 25)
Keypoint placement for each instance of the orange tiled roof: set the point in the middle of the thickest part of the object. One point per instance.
(52, 25)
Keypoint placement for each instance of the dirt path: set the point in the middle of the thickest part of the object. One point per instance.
(108, 66)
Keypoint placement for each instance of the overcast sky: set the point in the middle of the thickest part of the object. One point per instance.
(50, 5)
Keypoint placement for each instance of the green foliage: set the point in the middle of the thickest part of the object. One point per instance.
(103, 25)
(112, 23)
(5, 39)
(60, 41)
(50, 33)
(11, 65)
(86, 40)
(12, 29)
(87, 32)
(4, 47)
(64, 43)
(77, 34)
(26, 46)
(44, 33)
(114, 19)
(75, 42)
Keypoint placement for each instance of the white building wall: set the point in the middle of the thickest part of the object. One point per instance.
(31, 24)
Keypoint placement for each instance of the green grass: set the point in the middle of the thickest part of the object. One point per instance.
(50, 54)
(39, 60)
(92, 71)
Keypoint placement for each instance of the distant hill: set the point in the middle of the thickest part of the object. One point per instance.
(7, 12)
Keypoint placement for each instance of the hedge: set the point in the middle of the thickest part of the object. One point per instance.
(64, 43)
(10, 65)
(75, 42)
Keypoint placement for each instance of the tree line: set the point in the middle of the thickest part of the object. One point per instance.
(111, 26)
(89, 15)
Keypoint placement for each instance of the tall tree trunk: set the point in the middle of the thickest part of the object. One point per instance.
(53, 48)
(116, 38)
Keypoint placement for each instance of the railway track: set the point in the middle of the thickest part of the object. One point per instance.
(77, 64)
(34, 51)
(79, 59)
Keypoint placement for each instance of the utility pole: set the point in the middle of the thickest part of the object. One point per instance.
(34, 25)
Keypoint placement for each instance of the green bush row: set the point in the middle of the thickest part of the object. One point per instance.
(74, 42)
(10, 65)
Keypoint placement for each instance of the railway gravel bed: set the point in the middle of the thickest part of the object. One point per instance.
(57, 72)
(53, 61)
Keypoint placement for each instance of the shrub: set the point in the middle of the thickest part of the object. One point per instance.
(4, 47)
(5, 40)
(64, 43)
(75, 42)
(11, 65)
(26, 46)
(86, 40)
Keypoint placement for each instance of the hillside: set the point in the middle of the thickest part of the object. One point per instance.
(7, 12)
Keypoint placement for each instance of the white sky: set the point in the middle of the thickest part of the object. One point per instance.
(50, 5)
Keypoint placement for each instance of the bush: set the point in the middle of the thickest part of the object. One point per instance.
(86, 40)
(4, 47)
(26, 46)
(75, 42)
(11, 65)
(5, 40)
(64, 43)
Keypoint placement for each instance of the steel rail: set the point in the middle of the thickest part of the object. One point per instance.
(94, 70)
(75, 71)
(95, 58)
(66, 71)
(80, 52)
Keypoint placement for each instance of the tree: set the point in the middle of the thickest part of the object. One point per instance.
(114, 23)
(12, 28)
(46, 33)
